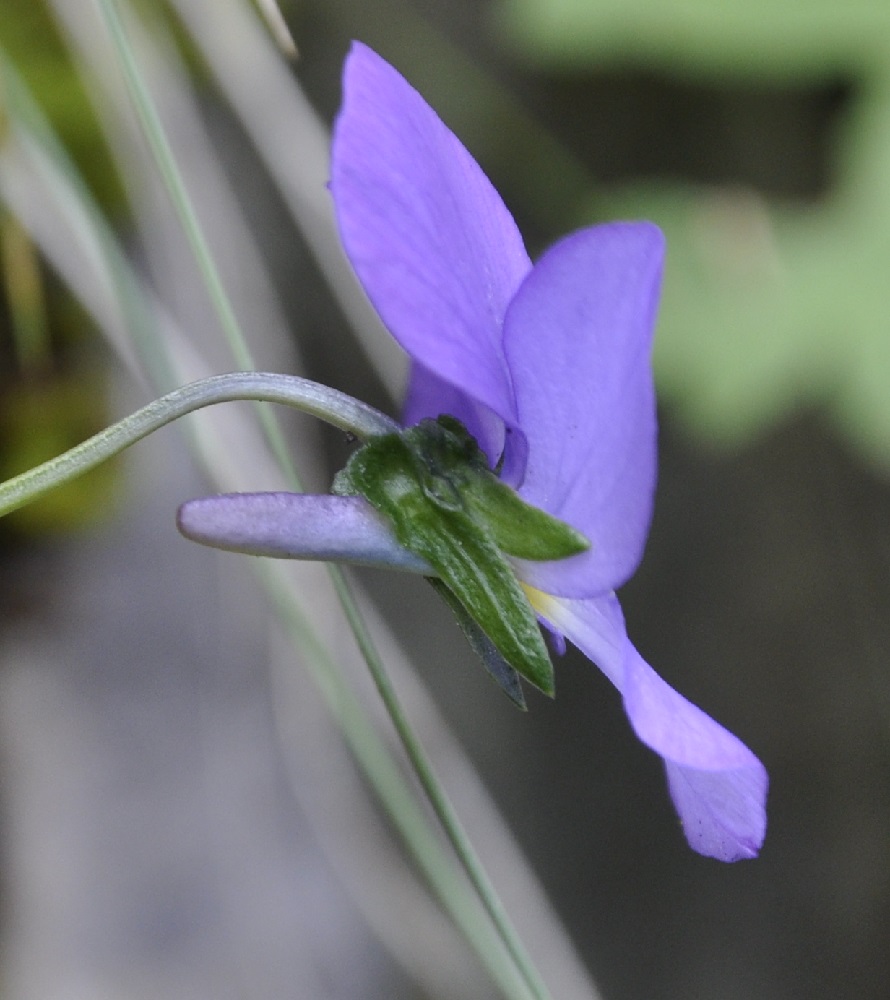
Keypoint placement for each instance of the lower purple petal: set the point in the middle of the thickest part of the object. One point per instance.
(717, 784)
(723, 812)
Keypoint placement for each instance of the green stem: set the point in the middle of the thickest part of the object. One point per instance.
(349, 415)
(456, 897)
(317, 400)
(165, 161)
(437, 796)
(166, 164)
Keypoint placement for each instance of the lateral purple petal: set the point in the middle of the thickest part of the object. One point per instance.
(717, 784)
(432, 243)
(578, 339)
(297, 526)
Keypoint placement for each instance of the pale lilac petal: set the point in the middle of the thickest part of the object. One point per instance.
(717, 784)
(297, 526)
(578, 338)
(431, 241)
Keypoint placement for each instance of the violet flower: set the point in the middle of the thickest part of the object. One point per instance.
(548, 367)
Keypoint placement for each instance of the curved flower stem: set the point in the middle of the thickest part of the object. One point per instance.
(357, 418)
(317, 400)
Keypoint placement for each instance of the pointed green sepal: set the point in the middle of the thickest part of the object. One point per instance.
(501, 672)
(518, 528)
(415, 479)
(453, 469)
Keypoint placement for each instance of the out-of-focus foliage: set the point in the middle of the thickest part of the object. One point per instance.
(48, 389)
(39, 420)
(768, 303)
(779, 37)
(29, 37)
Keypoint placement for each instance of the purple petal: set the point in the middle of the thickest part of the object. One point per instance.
(578, 338)
(297, 526)
(430, 239)
(720, 818)
(717, 785)
(429, 396)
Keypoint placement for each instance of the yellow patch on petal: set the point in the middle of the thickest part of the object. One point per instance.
(541, 602)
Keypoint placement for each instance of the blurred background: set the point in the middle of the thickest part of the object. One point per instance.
(177, 816)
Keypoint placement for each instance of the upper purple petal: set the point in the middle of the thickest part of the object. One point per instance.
(578, 338)
(717, 784)
(432, 243)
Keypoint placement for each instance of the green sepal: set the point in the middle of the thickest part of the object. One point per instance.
(501, 672)
(414, 480)
(452, 467)
(518, 528)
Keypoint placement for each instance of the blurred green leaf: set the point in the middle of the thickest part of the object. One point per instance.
(734, 36)
(30, 38)
(768, 305)
(25, 294)
(40, 420)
